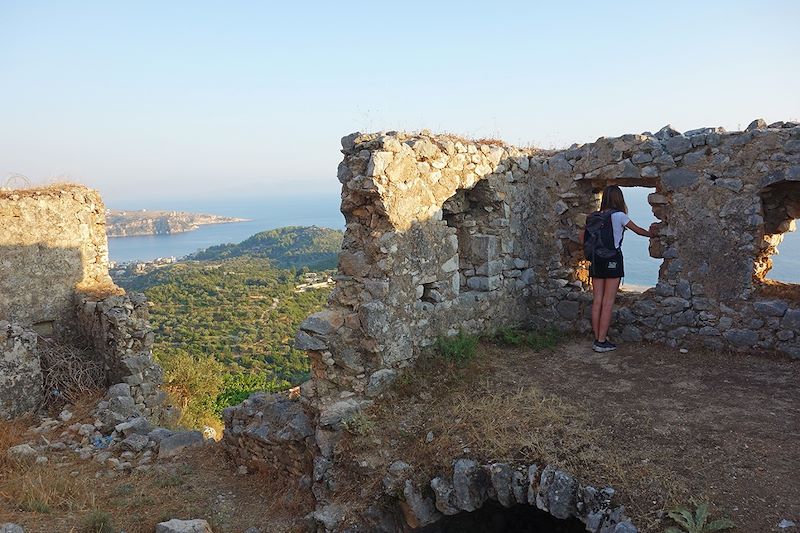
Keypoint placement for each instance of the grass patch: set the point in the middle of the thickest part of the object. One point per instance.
(98, 522)
(459, 349)
(536, 340)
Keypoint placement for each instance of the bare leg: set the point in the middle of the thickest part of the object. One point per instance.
(598, 287)
(607, 306)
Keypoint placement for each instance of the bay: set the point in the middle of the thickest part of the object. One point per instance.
(641, 270)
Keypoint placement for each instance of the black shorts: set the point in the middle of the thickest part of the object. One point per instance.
(608, 268)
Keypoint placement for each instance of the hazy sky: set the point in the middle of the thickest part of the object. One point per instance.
(242, 99)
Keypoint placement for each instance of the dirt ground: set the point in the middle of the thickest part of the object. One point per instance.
(663, 428)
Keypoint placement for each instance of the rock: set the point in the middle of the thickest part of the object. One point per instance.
(379, 380)
(135, 443)
(501, 476)
(11, 528)
(557, 493)
(678, 145)
(138, 425)
(429, 437)
(742, 338)
(159, 434)
(304, 341)
(176, 443)
(469, 485)
(422, 508)
(678, 178)
(568, 309)
(332, 415)
(443, 490)
(791, 320)
(783, 524)
(22, 452)
(184, 526)
(771, 307)
(323, 323)
(757, 124)
(65, 415)
(395, 478)
(625, 527)
(329, 515)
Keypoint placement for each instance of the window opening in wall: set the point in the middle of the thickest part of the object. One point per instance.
(786, 261)
(777, 264)
(641, 270)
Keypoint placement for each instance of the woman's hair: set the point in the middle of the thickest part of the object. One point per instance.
(613, 199)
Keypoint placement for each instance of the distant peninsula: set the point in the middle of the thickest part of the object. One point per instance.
(146, 222)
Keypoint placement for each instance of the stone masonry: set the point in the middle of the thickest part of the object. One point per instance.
(55, 282)
(446, 235)
(53, 242)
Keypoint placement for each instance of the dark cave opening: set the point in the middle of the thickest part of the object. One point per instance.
(494, 518)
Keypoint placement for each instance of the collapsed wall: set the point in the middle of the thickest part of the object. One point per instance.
(55, 283)
(446, 235)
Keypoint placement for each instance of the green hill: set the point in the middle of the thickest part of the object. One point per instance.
(297, 246)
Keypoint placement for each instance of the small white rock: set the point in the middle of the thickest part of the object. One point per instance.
(684, 350)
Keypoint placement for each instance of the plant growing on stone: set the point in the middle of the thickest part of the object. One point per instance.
(359, 424)
(459, 349)
(697, 522)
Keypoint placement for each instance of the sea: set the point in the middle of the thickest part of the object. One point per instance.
(641, 270)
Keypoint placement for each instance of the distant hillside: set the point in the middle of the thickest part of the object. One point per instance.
(144, 222)
(311, 246)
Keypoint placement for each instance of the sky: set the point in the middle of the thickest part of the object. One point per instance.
(153, 101)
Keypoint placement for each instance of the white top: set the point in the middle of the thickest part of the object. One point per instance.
(618, 221)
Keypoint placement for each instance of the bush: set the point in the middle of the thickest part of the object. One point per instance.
(236, 388)
(359, 424)
(460, 348)
(193, 384)
(98, 522)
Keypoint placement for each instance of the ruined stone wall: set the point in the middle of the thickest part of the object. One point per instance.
(446, 235)
(52, 241)
(20, 372)
(118, 329)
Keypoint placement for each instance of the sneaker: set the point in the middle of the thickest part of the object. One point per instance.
(605, 346)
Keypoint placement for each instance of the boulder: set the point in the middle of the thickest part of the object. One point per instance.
(22, 452)
(184, 526)
(176, 443)
(11, 528)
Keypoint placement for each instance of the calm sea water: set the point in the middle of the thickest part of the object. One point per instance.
(323, 210)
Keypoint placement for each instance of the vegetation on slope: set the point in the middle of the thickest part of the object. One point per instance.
(312, 247)
(224, 327)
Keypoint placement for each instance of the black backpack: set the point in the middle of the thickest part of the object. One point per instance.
(598, 239)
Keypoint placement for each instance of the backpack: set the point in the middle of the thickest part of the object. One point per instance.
(598, 239)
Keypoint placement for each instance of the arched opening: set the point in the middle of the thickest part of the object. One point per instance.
(778, 259)
(494, 518)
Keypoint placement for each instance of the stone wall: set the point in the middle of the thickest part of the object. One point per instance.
(117, 328)
(53, 240)
(445, 235)
(20, 372)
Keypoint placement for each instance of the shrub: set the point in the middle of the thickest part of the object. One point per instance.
(98, 522)
(697, 522)
(460, 348)
(193, 384)
(359, 424)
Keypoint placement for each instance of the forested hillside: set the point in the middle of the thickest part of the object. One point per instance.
(312, 247)
(224, 327)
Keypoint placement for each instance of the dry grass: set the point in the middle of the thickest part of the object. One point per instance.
(70, 373)
(51, 189)
(485, 412)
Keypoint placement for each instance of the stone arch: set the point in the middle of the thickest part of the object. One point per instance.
(500, 487)
(780, 203)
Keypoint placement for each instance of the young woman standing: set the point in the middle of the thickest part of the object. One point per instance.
(606, 273)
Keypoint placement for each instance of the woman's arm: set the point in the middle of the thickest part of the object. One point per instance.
(639, 231)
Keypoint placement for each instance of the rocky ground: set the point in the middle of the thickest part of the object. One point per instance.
(62, 474)
(666, 429)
